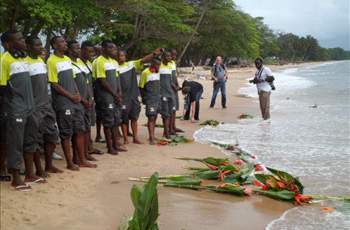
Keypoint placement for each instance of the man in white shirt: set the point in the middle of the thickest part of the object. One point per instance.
(264, 83)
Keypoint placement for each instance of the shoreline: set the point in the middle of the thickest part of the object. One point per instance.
(99, 198)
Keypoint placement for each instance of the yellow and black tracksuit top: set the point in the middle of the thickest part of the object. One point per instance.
(18, 97)
(60, 71)
(105, 68)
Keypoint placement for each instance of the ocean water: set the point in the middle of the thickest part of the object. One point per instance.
(308, 135)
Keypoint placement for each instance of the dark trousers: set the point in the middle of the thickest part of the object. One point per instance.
(188, 106)
(219, 85)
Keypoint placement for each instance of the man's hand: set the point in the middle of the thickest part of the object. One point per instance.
(117, 98)
(157, 51)
(87, 104)
(75, 98)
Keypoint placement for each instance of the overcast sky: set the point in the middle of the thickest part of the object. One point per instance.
(327, 20)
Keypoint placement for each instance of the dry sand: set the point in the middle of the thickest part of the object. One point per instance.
(98, 199)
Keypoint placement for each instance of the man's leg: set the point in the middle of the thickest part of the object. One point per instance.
(88, 146)
(116, 139)
(198, 98)
(125, 123)
(28, 163)
(109, 141)
(79, 143)
(31, 147)
(166, 124)
(98, 130)
(65, 143)
(49, 148)
(15, 134)
(172, 123)
(216, 87)
(80, 128)
(125, 130)
(65, 126)
(151, 124)
(223, 94)
(264, 99)
(187, 108)
(262, 102)
(134, 129)
(40, 172)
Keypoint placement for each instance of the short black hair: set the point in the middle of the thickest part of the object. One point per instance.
(53, 40)
(121, 51)
(105, 43)
(30, 40)
(259, 59)
(71, 42)
(85, 44)
(6, 36)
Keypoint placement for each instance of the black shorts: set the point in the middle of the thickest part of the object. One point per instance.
(17, 134)
(70, 121)
(168, 107)
(153, 108)
(32, 138)
(87, 119)
(48, 128)
(130, 111)
(111, 116)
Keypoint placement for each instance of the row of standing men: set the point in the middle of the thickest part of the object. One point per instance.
(76, 88)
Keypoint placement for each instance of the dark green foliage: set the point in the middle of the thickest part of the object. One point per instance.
(145, 201)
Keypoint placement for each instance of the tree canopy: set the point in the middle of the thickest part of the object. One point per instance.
(198, 29)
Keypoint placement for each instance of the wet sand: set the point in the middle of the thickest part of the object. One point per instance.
(95, 199)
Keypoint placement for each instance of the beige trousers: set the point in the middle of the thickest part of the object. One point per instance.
(264, 99)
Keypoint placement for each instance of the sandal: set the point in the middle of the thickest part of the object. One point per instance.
(23, 188)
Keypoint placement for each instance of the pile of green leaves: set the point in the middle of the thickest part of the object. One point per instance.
(245, 116)
(210, 123)
(279, 185)
(145, 201)
(175, 140)
(221, 169)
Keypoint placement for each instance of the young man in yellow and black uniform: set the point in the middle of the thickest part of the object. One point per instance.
(85, 104)
(87, 54)
(130, 91)
(150, 92)
(168, 107)
(176, 88)
(5, 37)
(108, 95)
(19, 105)
(46, 135)
(66, 100)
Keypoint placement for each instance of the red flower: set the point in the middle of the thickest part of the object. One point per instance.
(223, 173)
(152, 69)
(300, 199)
(281, 185)
(212, 167)
(258, 183)
(259, 168)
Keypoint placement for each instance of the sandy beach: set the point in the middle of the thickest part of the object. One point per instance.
(98, 199)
